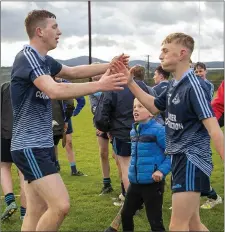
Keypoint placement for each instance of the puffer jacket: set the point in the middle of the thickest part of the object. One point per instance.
(147, 152)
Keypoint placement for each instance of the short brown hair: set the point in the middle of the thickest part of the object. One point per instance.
(139, 72)
(180, 38)
(199, 65)
(35, 18)
(161, 71)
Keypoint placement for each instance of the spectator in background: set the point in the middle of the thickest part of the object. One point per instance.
(200, 71)
(65, 110)
(6, 158)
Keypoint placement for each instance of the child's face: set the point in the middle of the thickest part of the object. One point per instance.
(171, 55)
(200, 72)
(140, 113)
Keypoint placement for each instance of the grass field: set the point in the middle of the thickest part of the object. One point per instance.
(91, 212)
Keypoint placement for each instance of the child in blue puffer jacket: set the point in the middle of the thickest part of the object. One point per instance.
(148, 169)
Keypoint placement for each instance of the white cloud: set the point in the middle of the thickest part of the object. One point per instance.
(137, 28)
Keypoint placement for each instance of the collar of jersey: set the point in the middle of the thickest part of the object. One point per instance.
(190, 70)
(39, 55)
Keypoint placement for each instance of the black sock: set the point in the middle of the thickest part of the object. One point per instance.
(22, 211)
(123, 189)
(106, 182)
(73, 167)
(56, 162)
(9, 198)
(212, 194)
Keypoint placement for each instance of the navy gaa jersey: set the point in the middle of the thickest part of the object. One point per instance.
(211, 88)
(187, 103)
(32, 111)
(161, 87)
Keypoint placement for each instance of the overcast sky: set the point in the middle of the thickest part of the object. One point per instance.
(136, 28)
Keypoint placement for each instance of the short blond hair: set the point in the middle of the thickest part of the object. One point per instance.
(180, 38)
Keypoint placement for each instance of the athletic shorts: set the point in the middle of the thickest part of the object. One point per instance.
(56, 139)
(70, 127)
(5, 151)
(121, 148)
(103, 135)
(187, 177)
(35, 163)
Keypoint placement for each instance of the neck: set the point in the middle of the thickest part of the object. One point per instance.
(146, 120)
(180, 70)
(39, 47)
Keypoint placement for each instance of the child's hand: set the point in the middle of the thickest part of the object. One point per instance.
(157, 176)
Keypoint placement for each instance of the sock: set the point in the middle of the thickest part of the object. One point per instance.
(106, 182)
(212, 194)
(9, 198)
(56, 162)
(123, 189)
(73, 167)
(22, 211)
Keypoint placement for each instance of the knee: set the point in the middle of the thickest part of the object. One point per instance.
(69, 144)
(63, 208)
(178, 227)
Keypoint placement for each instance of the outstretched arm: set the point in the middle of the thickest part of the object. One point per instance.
(86, 71)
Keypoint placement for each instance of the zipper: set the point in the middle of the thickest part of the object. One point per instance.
(136, 153)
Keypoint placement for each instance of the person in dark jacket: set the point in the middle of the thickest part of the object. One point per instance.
(6, 158)
(148, 169)
(114, 114)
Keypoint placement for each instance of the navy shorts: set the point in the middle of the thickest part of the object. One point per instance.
(35, 163)
(187, 177)
(70, 127)
(103, 135)
(5, 151)
(121, 148)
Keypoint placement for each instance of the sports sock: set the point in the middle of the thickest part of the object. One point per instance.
(106, 182)
(9, 198)
(22, 211)
(73, 167)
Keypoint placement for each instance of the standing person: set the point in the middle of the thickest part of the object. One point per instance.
(66, 105)
(190, 123)
(213, 198)
(200, 71)
(148, 169)
(6, 158)
(32, 87)
(103, 143)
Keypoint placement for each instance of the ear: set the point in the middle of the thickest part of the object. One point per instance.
(183, 53)
(39, 32)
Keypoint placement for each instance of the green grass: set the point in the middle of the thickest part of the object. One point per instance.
(91, 212)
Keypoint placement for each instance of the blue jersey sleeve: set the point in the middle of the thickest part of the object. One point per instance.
(55, 66)
(160, 101)
(200, 101)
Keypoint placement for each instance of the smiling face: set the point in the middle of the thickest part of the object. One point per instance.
(200, 72)
(140, 113)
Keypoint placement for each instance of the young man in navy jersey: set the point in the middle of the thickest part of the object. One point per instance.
(161, 80)
(190, 123)
(32, 87)
(200, 71)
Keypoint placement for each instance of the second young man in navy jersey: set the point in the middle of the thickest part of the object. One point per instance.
(190, 123)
